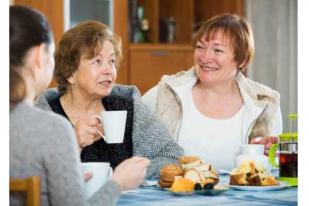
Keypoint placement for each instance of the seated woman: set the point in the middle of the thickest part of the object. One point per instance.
(43, 143)
(86, 69)
(213, 108)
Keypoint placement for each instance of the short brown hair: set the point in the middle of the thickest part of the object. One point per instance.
(84, 39)
(237, 30)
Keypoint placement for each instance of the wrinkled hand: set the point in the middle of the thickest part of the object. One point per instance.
(87, 132)
(130, 173)
(267, 141)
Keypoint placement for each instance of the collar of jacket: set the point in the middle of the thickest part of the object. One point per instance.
(252, 106)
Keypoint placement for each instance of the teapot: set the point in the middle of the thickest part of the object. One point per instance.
(288, 157)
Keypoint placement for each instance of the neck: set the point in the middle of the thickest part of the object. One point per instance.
(81, 102)
(218, 90)
(30, 88)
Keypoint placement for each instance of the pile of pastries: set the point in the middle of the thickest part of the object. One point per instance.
(251, 174)
(188, 174)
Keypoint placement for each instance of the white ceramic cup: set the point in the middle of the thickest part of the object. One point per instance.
(114, 124)
(101, 172)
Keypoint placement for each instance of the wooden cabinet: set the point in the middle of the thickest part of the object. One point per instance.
(149, 62)
(53, 10)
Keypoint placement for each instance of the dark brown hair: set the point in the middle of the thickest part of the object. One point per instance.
(238, 32)
(85, 39)
(28, 28)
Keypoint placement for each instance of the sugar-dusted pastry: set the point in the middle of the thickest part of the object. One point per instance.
(193, 175)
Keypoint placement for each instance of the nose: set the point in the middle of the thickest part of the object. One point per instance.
(106, 68)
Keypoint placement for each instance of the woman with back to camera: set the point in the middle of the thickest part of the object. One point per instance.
(87, 59)
(213, 108)
(43, 143)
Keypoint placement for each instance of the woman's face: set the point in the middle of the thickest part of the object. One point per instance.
(97, 76)
(50, 63)
(214, 60)
(46, 74)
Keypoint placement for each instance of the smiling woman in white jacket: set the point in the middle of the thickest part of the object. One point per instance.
(213, 108)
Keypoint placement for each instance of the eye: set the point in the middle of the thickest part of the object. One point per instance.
(96, 61)
(218, 51)
(111, 62)
(199, 46)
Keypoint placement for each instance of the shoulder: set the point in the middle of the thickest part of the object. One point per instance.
(39, 123)
(126, 91)
(53, 123)
(256, 90)
(264, 91)
(42, 101)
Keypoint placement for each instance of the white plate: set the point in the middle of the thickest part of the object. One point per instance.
(260, 188)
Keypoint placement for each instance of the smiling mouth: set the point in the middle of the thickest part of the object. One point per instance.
(208, 68)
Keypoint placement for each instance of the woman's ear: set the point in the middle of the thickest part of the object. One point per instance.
(242, 65)
(35, 57)
(71, 79)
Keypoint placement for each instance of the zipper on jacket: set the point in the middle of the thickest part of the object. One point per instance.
(251, 125)
(181, 111)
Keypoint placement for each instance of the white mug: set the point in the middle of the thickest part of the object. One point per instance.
(101, 172)
(114, 124)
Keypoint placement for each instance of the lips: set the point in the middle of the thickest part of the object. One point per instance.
(208, 67)
(105, 82)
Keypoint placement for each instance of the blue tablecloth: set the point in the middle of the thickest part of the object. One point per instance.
(152, 196)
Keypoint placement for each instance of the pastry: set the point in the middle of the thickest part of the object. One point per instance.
(187, 159)
(248, 173)
(168, 174)
(182, 185)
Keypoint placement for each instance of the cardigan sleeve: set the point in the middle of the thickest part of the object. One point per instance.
(152, 140)
(150, 97)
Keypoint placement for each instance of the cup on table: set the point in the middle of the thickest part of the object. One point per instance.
(101, 172)
(114, 124)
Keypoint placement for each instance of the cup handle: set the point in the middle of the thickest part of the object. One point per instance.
(100, 133)
(272, 155)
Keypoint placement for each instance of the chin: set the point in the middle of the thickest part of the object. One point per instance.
(105, 92)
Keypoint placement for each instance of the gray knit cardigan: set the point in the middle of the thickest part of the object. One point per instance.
(150, 137)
